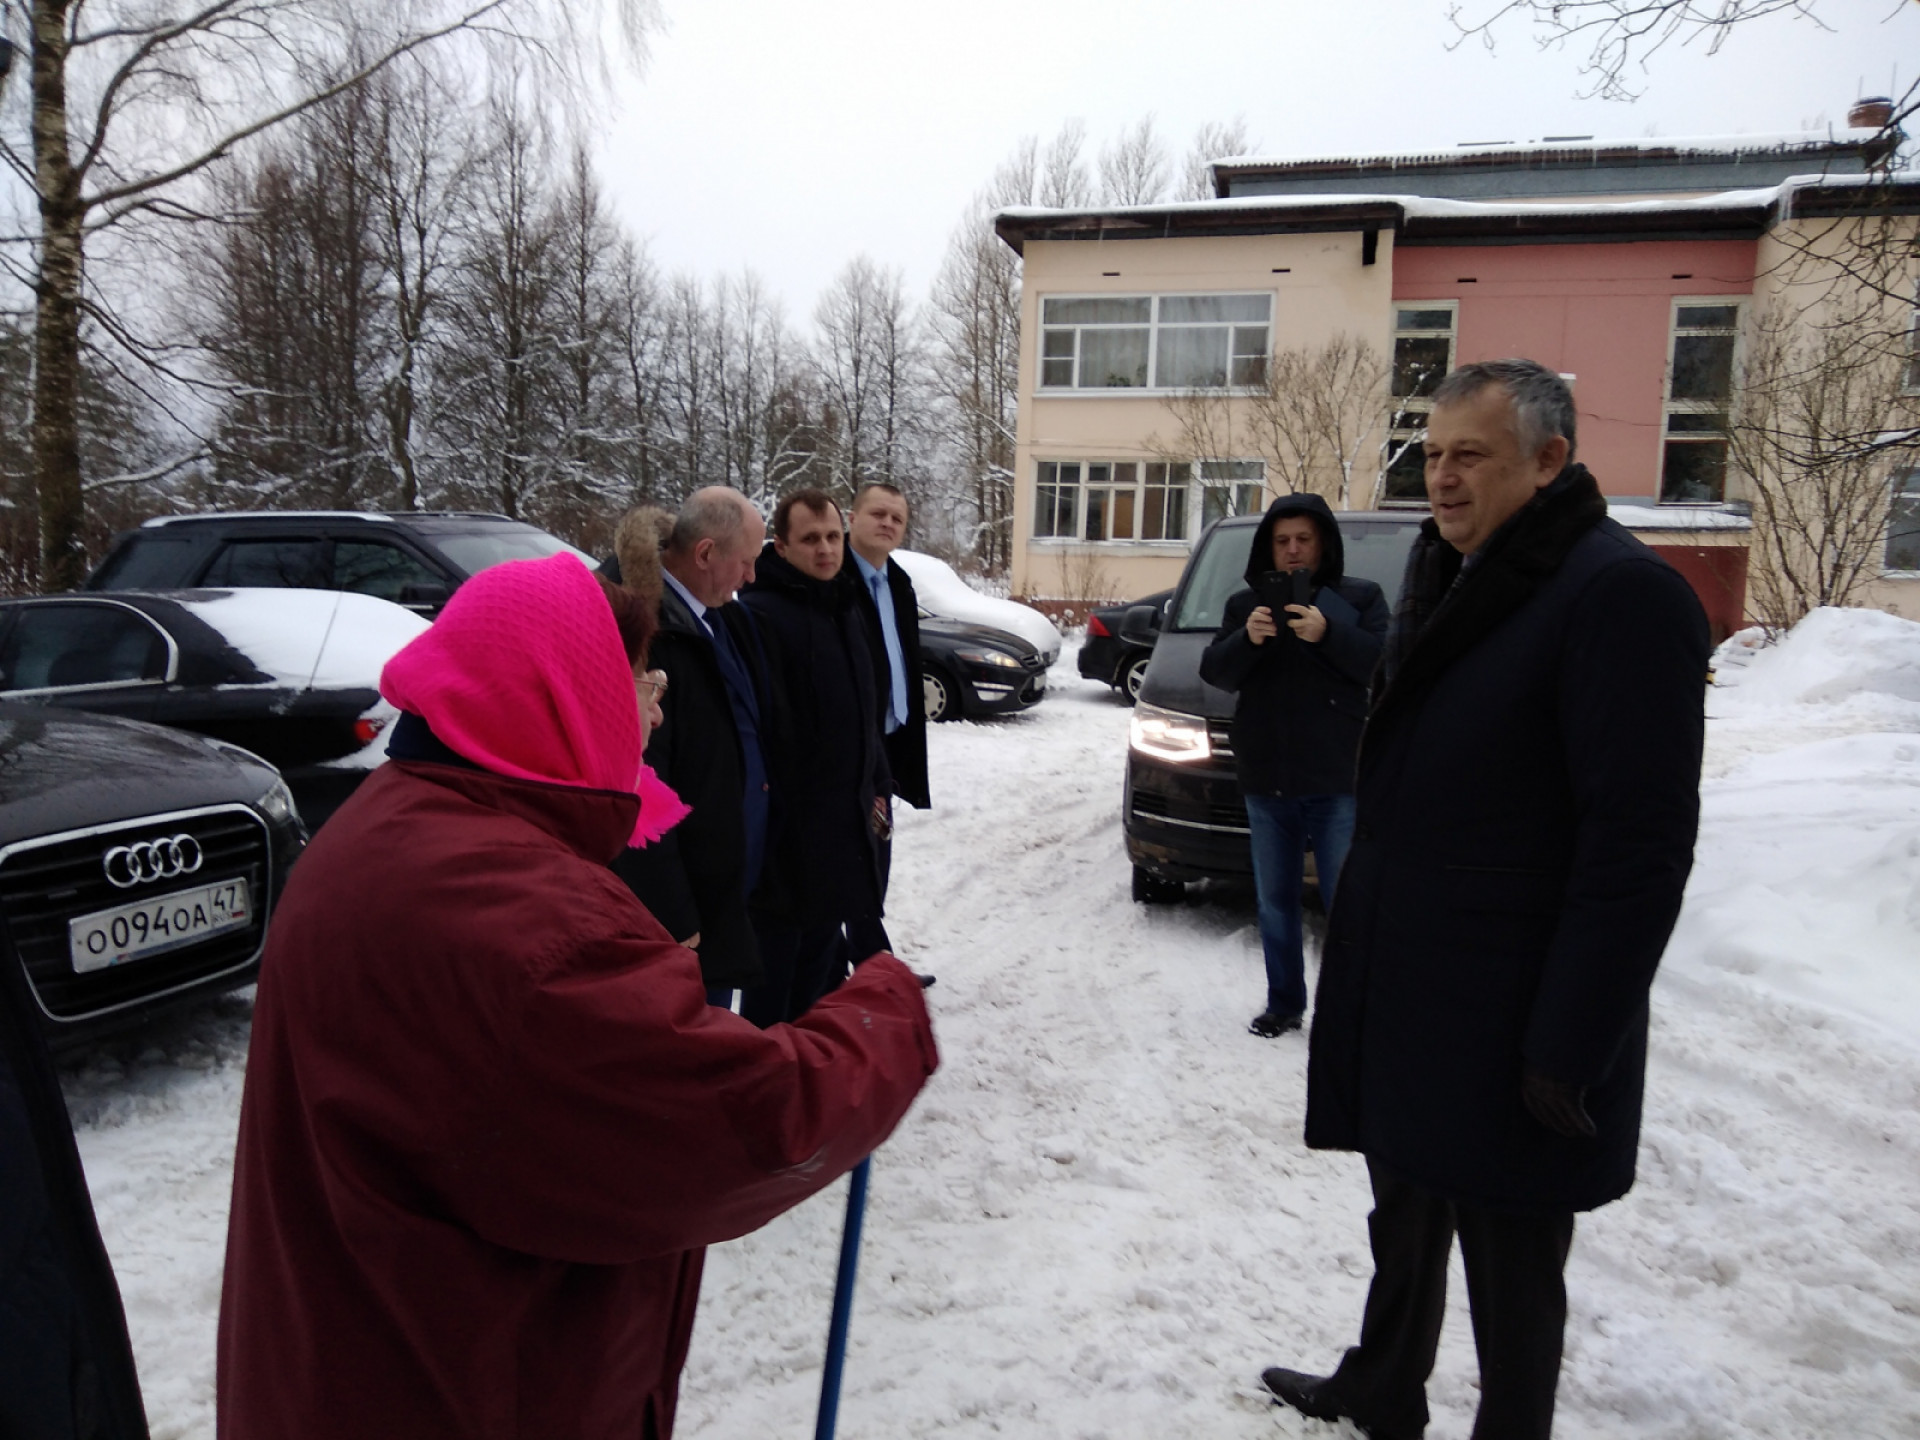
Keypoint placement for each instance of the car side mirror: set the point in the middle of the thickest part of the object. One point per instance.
(1141, 624)
(425, 596)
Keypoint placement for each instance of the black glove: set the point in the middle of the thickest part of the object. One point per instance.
(1561, 1107)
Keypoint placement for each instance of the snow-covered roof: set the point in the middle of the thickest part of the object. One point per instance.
(1412, 205)
(1676, 517)
(1841, 138)
(1243, 213)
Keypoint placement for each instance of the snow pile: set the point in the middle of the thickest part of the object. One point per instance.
(1811, 813)
(1826, 659)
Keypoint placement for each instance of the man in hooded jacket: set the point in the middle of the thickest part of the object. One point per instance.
(1528, 790)
(1301, 677)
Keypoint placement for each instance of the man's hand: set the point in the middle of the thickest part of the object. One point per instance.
(882, 817)
(1260, 626)
(692, 942)
(1307, 622)
(1561, 1107)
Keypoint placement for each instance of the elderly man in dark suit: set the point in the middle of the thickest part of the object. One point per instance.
(876, 525)
(1527, 797)
(713, 743)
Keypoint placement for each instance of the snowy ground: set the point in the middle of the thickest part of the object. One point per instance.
(1099, 1220)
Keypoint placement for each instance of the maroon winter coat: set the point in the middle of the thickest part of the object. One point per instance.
(490, 1122)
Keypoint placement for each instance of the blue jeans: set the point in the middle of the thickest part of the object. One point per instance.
(1281, 827)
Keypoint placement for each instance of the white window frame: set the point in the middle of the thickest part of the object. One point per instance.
(1902, 484)
(1407, 420)
(1254, 375)
(1671, 407)
(1191, 481)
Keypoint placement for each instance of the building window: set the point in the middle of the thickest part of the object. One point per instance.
(1231, 487)
(1693, 466)
(1106, 501)
(1168, 342)
(1163, 503)
(1903, 523)
(1423, 341)
(1056, 501)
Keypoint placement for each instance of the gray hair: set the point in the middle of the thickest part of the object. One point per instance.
(714, 513)
(1542, 403)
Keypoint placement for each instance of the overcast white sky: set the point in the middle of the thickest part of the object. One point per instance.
(790, 137)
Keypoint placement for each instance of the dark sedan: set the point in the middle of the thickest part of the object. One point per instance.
(1112, 656)
(292, 675)
(138, 864)
(969, 671)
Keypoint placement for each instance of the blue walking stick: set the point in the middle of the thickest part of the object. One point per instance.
(842, 1302)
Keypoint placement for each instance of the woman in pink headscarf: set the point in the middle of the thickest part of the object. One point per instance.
(490, 1121)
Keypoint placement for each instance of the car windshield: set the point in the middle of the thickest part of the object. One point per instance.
(480, 549)
(1375, 550)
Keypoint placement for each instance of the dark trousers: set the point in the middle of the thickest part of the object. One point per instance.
(1515, 1264)
(799, 965)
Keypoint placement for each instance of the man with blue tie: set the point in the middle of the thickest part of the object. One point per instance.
(712, 744)
(875, 527)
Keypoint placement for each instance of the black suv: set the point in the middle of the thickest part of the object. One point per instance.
(1182, 813)
(415, 559)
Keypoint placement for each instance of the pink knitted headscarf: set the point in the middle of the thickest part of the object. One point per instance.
(524, 675)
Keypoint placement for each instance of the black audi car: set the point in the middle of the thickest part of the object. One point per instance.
(969, 671)
(1115, 655)
(292, 675)
(1181, 809)
(138, 864)
(412, 558)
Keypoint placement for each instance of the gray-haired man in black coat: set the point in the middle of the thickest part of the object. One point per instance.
(1527, 797)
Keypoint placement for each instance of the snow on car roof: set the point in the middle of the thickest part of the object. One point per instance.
(321, 638)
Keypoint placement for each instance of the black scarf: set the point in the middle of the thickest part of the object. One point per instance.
(1448, 601)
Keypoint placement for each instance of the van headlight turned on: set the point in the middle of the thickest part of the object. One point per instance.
(1169, 735)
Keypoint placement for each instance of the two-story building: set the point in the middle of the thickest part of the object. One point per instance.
(1152, 337)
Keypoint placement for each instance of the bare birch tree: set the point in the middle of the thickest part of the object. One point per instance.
(1133, 167)
(1309, 419)
(133, 100)
(1822, 417)
(867, 361)
(1622, 35)
(1213, 141)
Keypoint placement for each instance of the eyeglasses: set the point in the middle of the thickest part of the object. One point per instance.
(652, 686)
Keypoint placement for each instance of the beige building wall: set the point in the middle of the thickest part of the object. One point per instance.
(1790, 272)
(1320, 288)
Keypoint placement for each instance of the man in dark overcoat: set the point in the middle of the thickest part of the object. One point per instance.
(876, 524)
(712, 745)
(823, 851)
(1528, 793)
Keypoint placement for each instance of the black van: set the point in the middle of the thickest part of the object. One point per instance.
(1182, 812)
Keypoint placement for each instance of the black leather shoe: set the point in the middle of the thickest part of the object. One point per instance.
(1305, 1393)
(1312, 1396)
(1270, 1026)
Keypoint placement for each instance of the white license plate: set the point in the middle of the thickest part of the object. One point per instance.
(165, 922)
(1040, 683)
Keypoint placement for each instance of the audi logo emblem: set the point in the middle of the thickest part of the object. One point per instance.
(149, 860)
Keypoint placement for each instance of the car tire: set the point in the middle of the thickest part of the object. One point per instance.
(942, 696)
(1131, 674)
(1150, 889)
